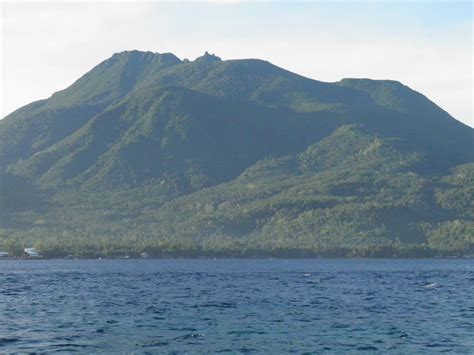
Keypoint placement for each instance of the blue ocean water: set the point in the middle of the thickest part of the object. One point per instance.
(238, 306)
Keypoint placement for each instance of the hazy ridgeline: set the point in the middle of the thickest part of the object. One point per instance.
(233, 158)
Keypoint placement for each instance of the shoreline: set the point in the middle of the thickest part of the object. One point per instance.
(468, 257)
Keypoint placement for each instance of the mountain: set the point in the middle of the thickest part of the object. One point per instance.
(147, 152)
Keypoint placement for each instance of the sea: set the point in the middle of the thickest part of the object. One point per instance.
(271, 306)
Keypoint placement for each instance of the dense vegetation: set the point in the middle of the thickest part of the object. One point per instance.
(233, 158)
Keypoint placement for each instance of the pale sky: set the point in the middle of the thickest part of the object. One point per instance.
(427, 45)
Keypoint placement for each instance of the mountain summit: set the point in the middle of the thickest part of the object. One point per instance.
(208, 58)
(234, 157)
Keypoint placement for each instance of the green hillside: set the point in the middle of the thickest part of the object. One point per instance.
(240, 158)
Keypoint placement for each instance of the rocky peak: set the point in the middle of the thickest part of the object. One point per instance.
(208, 58)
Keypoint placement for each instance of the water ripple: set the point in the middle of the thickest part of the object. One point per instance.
(237, 306)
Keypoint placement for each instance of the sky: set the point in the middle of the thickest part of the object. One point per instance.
(427, 45)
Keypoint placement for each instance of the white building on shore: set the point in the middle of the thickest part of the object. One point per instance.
(32, 253)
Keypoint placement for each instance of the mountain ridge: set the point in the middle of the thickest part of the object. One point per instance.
(147, 130)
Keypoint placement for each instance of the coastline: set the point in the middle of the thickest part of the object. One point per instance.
(467, 257)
